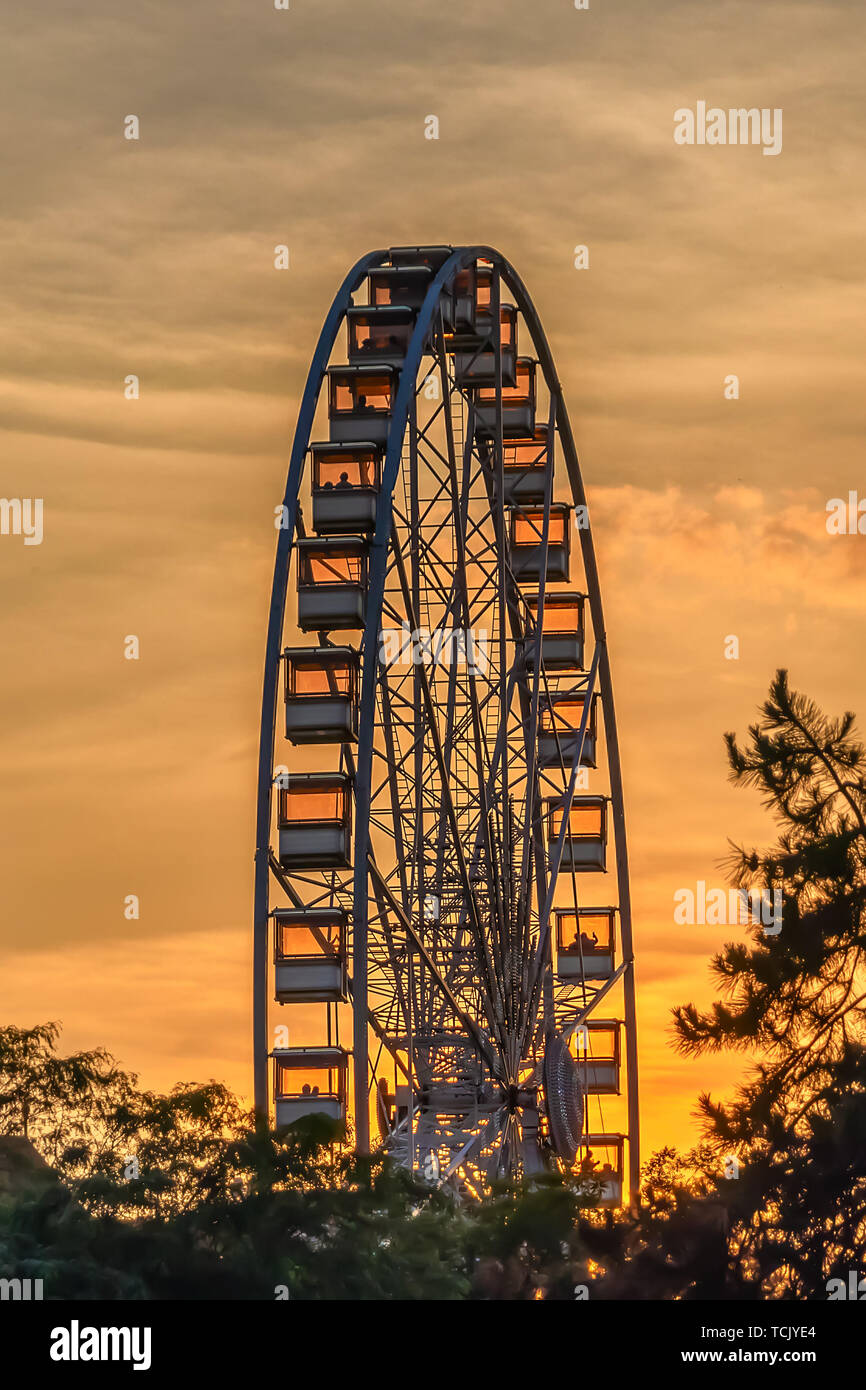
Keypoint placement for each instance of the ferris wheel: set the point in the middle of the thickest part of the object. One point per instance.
(441, 890)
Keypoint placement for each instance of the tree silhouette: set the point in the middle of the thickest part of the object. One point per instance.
(795, 1002)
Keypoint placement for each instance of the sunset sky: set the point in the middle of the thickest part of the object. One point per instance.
(155, 257)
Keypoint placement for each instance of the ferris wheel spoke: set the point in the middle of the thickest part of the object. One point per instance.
(468, 1023)
(486, 809)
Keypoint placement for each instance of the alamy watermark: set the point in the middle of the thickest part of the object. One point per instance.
(720, 907)
(20, 1290)
(77, 1343)
(846, 516)
(853, 1289)
(405, 646)
(22, 516)
(713, 125)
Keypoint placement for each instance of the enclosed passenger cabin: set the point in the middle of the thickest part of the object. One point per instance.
(310, 948)
(471, 306)
(463, 307)
(518, 404)
(434, 257)
(602, 1158)
(332, 583)
(562, 632)
(310, 1081)
(585, 943)
(321, 694)
(595, 1045)
(585, 845)
(360, 400)
(399, 285)
(379, 333)
(477, 366)
(314, 820)
(345, 488)
(525, 469)
(559, 720)
(526, 549)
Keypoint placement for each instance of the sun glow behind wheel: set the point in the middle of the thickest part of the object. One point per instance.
(447, 843)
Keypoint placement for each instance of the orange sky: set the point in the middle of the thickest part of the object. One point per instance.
(155, 257)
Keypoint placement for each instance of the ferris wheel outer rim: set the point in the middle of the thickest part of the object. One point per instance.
(276, 615)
